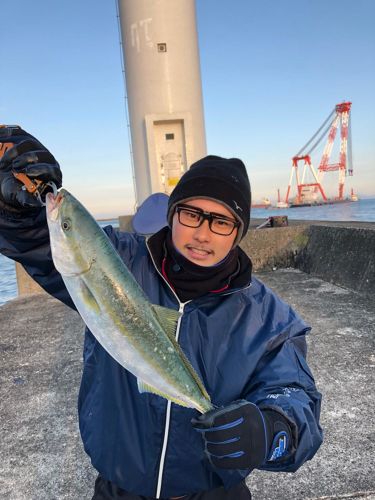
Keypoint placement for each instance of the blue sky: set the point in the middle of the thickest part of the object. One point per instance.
(272, 70)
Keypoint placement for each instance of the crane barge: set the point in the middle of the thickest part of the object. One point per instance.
(308, 192)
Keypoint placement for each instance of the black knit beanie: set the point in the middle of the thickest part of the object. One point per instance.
(220, 179)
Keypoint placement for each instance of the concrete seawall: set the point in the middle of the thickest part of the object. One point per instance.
(341, 255)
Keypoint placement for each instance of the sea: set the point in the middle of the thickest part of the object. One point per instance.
(359, 211)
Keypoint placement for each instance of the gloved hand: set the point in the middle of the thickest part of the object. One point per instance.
(241, 436)
(20, 152)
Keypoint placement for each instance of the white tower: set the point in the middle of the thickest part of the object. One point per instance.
(163, 82)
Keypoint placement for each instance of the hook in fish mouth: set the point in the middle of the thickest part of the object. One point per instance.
(53, 204)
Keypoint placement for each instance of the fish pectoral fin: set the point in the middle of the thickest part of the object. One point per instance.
(194, 374)
(168, 318)
(87, 296)
(143, 387)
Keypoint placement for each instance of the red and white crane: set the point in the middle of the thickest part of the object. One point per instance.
(339, 117)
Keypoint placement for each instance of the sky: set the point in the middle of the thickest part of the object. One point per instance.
(272, 71)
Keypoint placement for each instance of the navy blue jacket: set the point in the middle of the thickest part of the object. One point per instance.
(244, 344)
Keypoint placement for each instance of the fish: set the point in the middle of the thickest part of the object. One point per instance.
(139, 335)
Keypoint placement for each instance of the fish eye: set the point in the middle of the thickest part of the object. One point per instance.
(66, 225)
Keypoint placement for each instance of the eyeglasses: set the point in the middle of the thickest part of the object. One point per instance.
(194, 217)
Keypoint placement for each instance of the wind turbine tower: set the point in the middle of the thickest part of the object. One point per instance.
(164, 91)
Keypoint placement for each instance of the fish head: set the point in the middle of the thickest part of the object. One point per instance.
(69, 226)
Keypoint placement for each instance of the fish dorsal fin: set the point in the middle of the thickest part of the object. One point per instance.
(143, 387)
(168, 318)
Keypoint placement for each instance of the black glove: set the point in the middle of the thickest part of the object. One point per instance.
(241, 436)
(20, 152)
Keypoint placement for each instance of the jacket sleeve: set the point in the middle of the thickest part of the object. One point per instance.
(284, 383)
(26, 240)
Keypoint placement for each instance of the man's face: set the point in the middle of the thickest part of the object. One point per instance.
(200, 245)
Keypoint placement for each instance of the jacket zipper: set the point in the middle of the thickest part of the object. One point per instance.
(167, 421)
(181, 306)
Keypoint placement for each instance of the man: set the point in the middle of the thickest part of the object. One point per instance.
(247, 346)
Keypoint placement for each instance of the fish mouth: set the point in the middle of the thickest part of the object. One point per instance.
(53, 204)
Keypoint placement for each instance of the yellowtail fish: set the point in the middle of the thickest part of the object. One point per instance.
(137, 334)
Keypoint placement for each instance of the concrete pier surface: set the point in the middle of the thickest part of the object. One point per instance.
(40, 367)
